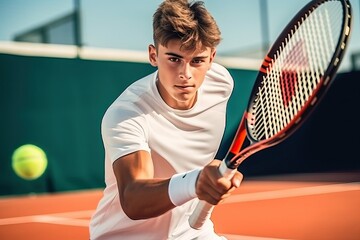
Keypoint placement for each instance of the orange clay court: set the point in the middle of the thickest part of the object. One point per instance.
(299, 206)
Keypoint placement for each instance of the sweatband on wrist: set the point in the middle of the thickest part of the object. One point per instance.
(182, 187)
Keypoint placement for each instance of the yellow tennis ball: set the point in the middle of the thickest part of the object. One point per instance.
(29, 162)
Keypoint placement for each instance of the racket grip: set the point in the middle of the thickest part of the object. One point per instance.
(204, 209)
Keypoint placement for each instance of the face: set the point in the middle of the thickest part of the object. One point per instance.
(180, 72)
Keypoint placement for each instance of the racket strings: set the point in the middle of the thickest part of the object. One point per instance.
(295, 71)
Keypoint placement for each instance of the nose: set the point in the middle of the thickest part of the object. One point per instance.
(185, 73)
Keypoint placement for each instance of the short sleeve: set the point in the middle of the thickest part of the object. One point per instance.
(123, 131)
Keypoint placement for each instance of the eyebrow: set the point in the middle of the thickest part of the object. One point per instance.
(174, 55)
(179, 56)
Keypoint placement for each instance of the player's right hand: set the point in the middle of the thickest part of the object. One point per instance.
(212, 187)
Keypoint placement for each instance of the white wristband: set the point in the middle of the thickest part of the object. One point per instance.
(182, 187)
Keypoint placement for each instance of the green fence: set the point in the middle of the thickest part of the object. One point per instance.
(57, 104)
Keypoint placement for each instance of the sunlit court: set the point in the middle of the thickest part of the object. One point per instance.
(96, 111)
(298, 206)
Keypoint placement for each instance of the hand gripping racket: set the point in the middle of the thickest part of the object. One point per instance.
(294, 75)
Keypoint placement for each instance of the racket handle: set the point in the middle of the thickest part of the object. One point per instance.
(204, 209)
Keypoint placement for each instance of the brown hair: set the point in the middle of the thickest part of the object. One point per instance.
(191, 23)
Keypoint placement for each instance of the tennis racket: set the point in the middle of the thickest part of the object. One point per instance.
(294, 76)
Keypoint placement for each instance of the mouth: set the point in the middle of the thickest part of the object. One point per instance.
(186, 88)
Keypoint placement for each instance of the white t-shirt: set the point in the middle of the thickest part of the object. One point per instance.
(178, 141)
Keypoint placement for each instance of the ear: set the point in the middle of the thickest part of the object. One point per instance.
(212, 55)
(152, 55)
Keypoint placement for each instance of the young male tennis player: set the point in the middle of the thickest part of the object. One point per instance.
(162, 133)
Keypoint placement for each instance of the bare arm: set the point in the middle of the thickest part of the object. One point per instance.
(141, 195)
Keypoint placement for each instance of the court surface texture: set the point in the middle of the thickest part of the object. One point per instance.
(299, 206)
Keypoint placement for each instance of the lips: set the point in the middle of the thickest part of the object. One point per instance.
(187, 88)
(184, 86)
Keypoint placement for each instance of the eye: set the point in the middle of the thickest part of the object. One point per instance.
(174, 59)
(198, 61)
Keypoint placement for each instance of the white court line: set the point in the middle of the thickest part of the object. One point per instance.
(242, 237)
(286, 193)
(296, 192)
(69, 218)
(62, 221)
(66, 218)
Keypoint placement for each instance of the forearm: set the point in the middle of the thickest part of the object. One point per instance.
(141, 195)
(161, 194)
(144, 199)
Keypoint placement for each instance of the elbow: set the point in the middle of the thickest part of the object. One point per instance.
(131, 210)
(138, 211)
(132, 213)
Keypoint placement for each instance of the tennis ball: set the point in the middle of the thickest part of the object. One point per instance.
(29, 162)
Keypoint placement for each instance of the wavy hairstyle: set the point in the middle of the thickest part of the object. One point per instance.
(190, 22)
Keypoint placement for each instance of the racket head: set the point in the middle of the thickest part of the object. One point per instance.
(298, 70)
(290, 83)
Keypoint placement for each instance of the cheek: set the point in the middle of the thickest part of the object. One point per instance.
(199, 73)
(168, 72)
(167, 66)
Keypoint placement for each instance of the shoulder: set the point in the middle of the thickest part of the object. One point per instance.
(119, 118)
(131, 104)
(219, 79)
(219, 72)
(216, 67)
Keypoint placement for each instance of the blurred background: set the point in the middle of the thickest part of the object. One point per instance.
(62, 63)
(248, 27)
